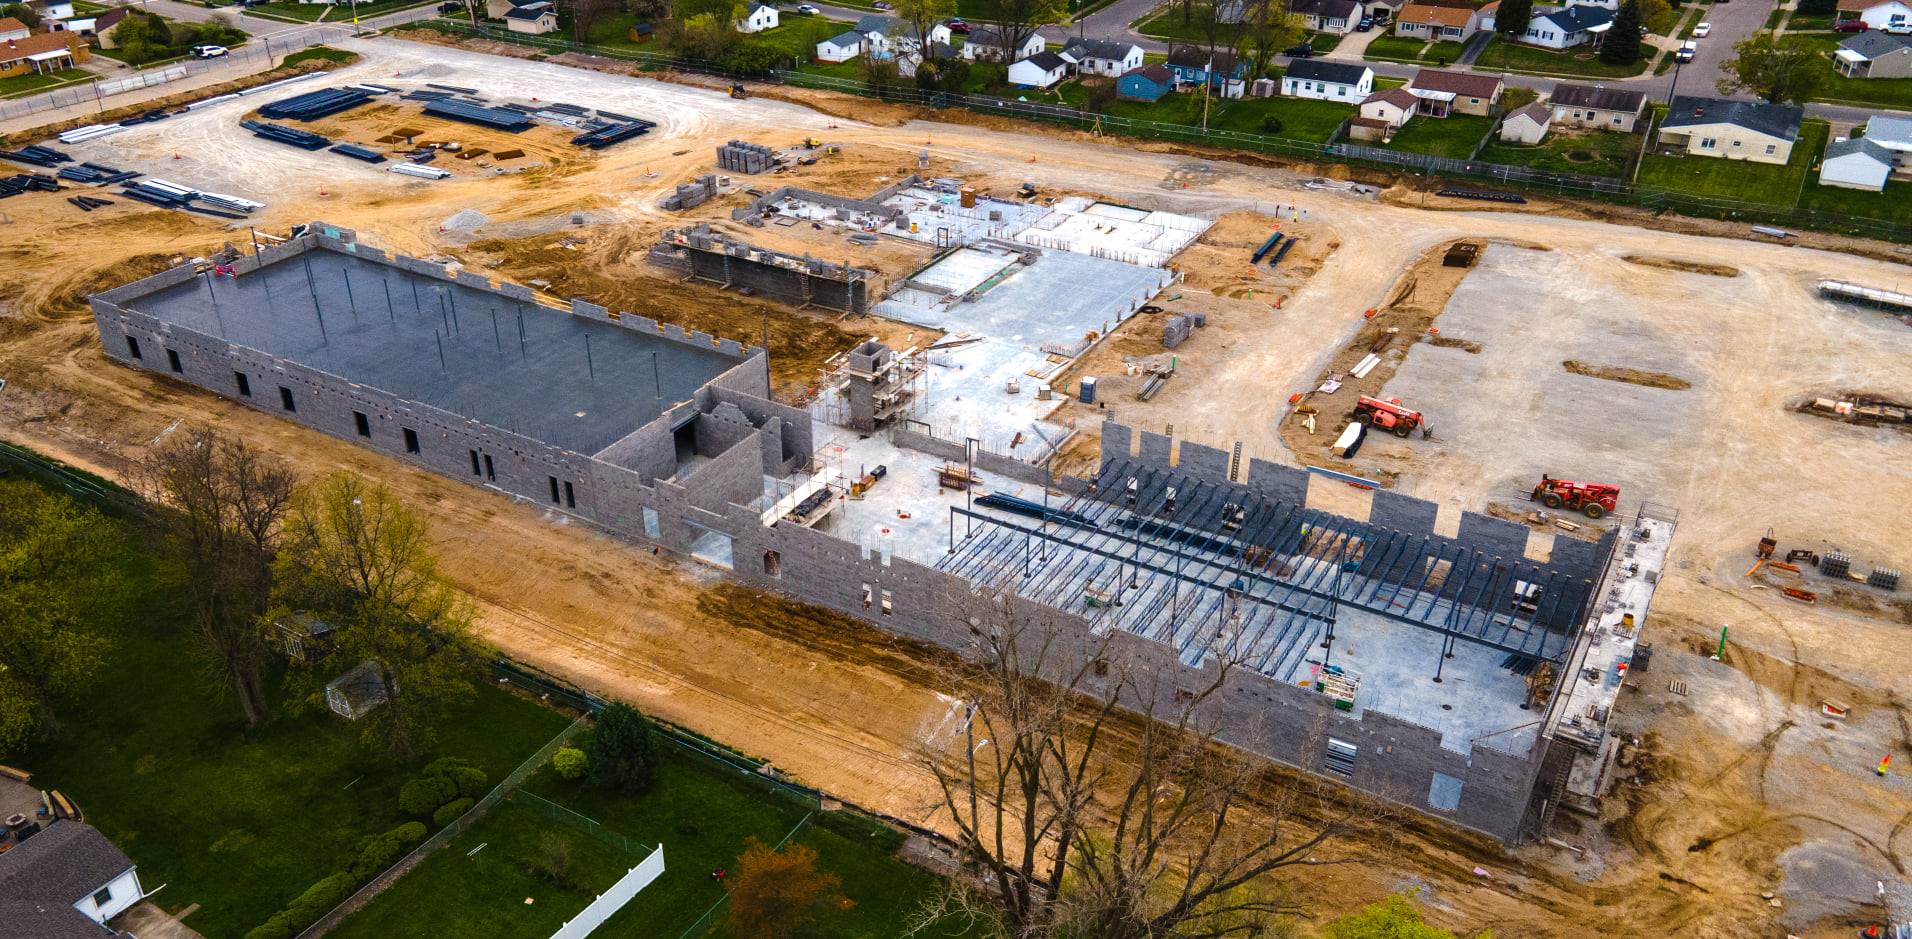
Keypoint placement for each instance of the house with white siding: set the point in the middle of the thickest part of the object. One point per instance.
(1327, 81)
(1731, 130)
(1111, 57)
(761, 17)
(841, 47)
(988, 44)
(65, 881)
(1615, 109)
(1855, 163)
(1892, 16)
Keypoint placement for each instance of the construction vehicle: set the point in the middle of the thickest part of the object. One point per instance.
(1387, 415)
(738, 91)
(1594, 500)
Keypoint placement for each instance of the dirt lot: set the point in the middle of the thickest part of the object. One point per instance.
(1740, 786)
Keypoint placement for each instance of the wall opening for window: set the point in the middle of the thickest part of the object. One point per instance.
(773, 563)
(411, 440)
(1444, 794)
(712, 547)
(172, 361)
(1340, 756)
(244, 383)
(285, 399)
(491, 475)
(132, 347)
(570, 497)
(869, 596)
(475, 470)
(652, 527)
(554, 490)
(105, 896)
(362, 423)
(889, 603)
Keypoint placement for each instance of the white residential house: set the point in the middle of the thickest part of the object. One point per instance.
(1895, 135)
(1731, 130)
(532, 18)
(1893, 16)
(1111, 57)
(840, 48)
(762, 16)
(877, 33)
(1383, 113)
(1039, 71)
(1565, 28)
(1327, 81)
(1527, 125)
(51, 10)
(986, 44)
(496, 9)
(66, 880)
(1614, 109)
(1327, 16)
(11, 29)
(941, 33)
(1856, 163)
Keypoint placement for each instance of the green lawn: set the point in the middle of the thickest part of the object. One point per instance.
(1892, 205)
(1453, 137)
(1392, 48)
(702, 813)
(235, 822)
(1809, 22)
(1589, 152)
(1887, 92)
(796, 36)
(20, 86)
(1168, 24)
(320, 54)
(1737, 179)
(1299, 119)
(1578, 63)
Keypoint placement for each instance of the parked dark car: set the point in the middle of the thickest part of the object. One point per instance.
(1303, 51)
(452, 6)
(1850, 26)
(1367, 23)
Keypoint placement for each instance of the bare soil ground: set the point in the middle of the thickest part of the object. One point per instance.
(1735, 788)
(1632, 376)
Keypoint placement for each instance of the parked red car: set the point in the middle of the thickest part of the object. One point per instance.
(1849, 26)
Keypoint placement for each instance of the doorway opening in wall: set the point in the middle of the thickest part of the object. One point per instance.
(773, 564)
(712, 547)
(684, 439)
(491, 475)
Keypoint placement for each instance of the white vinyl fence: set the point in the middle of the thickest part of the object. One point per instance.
(612, 900)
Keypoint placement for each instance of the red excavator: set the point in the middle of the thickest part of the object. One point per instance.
(1387, 415)
(1594, 500)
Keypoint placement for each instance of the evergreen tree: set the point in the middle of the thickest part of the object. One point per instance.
(1622, 45)
(622, 753)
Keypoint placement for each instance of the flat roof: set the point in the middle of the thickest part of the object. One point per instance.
(572, 382)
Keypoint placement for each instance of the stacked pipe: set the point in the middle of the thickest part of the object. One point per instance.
(36, 155)
(599, 138)
(90, 131)
(316, 104)
(27, 182)
(304, 140)
(422, 172)
(96, 174)
(1285, 246)
(88, 203)
(740, 156)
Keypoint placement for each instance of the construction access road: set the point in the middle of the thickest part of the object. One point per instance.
(1739, 787)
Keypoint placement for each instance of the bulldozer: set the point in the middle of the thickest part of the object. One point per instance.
(1387, 415)
(1594, 500)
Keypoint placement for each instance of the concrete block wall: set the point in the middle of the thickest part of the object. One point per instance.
(1278, 482)
(955, 451)
(1402, 513)
(1497, 537)
(1203, 462)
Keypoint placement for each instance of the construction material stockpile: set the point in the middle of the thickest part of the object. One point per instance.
(88, 203)
(166, 195)
(741, 156)
(504, 119)
(27, 182)
(96, 174)
(316, 104)
(600, 137)
(36, 155)
(303, 139)
(359, 153)
(419, 170)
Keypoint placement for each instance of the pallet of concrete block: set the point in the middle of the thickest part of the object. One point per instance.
(420, 171)
(691, 195)
(1175, 331)
(742, 156)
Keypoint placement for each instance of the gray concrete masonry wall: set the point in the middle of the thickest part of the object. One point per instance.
(626, 489)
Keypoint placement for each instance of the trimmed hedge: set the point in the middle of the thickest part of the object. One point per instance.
(450, 811)
(316, 901)
(377, 852)
(426, 793)
(570, 763)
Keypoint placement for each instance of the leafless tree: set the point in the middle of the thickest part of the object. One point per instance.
(223, 504)
(585, 14)
(1080, 817)
(1016, 20)
(1267, 28)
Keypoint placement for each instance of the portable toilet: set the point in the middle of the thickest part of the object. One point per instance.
(1088, 390)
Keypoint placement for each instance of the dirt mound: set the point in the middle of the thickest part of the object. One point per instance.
(1675, 264)
(1632, 376)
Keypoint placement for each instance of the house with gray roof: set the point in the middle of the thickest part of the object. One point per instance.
(1616, 109)
(989, 44)
(1327, 81)
(1855, 163)
(65, 882)
(1112, 57)
(1874, 54)
(1731, 130)
(1895, 134)
(841, 47)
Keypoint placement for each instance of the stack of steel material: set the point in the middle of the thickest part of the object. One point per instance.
(741, 156)
(316, 104)
(81, 134)
(231, 203)
(503, 119)
(96, 174)
(601, 137)
(171, 195)
(359, 153)
(36, 155)
(422, 172)
(25, 182)
(88, 203)
(303, 139)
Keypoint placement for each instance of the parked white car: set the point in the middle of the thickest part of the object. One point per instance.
(209, 52)
(1702, 31)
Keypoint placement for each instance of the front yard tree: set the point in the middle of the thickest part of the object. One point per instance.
(222, 503)
(778, 894)
(1015, 20)
(1512, 19)
(356, 556)
(921, 16)
(1267, 29)
(622, 752)
(1622, 45)
(27, 16)
(52, 579)
(1778, 72)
